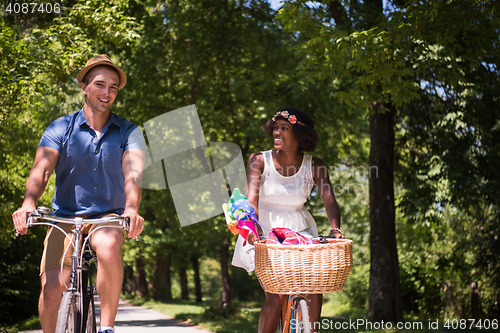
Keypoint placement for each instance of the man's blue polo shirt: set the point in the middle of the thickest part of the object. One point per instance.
(89, 175)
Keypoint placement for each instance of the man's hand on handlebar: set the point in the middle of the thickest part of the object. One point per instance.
(136, 224)
(19, 219)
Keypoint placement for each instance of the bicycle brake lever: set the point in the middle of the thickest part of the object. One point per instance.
(29, 218)
(29, 221)
(126, 222)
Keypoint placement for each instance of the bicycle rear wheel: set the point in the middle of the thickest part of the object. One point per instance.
(68, 317)
(302, 316)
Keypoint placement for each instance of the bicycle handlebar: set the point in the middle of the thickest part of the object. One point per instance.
(43, 213)
(320, 239)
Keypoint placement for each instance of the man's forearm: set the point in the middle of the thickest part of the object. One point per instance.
(133, 166)
(133, 194)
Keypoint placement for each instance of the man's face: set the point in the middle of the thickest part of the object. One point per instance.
(101, 91)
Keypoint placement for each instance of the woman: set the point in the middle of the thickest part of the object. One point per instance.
(278, 184)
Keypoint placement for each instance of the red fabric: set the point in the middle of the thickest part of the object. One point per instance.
(245, 228)
(287, 236)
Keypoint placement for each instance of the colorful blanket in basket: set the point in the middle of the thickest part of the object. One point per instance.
(287, 236)
(240, 215)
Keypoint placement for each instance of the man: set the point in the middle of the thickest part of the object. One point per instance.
(97, 157)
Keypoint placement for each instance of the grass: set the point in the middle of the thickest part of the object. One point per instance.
(225, 320)
(172, 309)
(243, 318)
(32, 323)
(237, 317)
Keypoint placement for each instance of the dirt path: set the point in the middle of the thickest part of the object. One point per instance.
(134, 319)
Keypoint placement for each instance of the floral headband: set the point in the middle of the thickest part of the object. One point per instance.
(290, 117)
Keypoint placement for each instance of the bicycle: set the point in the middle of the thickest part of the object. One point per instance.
(299, 270)
(77, 309)
(295, 315)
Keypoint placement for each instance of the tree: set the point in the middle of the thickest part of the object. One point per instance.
(385, 60)
(446, 155)
(384, 302)
(39, 57)
(220, 56)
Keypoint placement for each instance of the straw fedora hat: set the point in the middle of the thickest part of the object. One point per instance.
(101, 59)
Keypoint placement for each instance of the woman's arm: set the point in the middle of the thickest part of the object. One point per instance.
(255, 168)
(322, 179)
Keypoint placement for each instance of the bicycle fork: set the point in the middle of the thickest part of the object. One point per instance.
(295, 316)
(76, 277)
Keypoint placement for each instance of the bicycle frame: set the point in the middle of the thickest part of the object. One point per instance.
(294, 317)
(80, 278)
(294, 312)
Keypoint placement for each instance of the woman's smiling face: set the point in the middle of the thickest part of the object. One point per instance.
(283, 135)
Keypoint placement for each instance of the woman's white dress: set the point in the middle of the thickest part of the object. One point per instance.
(281, 204)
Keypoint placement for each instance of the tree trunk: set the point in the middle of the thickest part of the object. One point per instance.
(449, 304)
(384, 299)
(162, 281)
(474, 301)
(183, 280)
(140, 277)
(224, 271)
(197, 280)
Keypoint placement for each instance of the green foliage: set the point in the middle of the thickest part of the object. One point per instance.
(437, 64)
(385, 58)
(38, 59)
(8, 330)
(435, 61)
(19, 295)
(226, 58)
(350, 185)
(243, 319)
(442, 260)
(447, 155)
(32, 323)
(225, 320)
(246, 286)
(233, 63)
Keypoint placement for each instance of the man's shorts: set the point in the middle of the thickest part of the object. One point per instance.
(57, 245)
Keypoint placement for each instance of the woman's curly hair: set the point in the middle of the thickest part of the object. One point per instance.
(304, 133)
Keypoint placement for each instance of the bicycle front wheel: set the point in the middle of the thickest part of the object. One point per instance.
(90, 326)
(302, 316)
(89, 322)
(68, 317)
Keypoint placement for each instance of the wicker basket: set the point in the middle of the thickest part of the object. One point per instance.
(304, 269)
